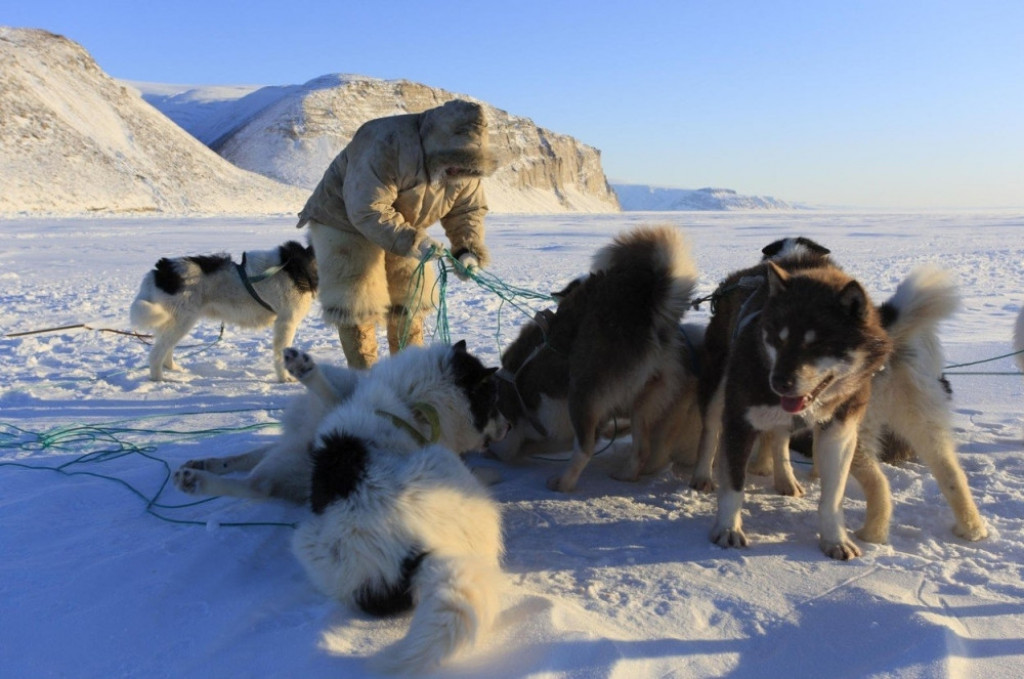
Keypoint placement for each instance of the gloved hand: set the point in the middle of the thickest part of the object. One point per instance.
(429, 247)
(467, 265)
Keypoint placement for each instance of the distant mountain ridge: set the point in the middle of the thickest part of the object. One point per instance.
(640, 197)
(292, 133)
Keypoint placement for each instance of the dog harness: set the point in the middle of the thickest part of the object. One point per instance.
(543, 320)
(247, 281)
(423, 412)
(753, 283)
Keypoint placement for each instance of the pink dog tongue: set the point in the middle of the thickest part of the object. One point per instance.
(793, 405)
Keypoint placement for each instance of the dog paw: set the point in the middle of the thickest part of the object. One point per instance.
(702, 484)
(842, 550)
(973, 531)
(790, 487)
(629, 472)
(729, 537)
(557, 484)
(298, 363)
(486, 476)
(188, 480)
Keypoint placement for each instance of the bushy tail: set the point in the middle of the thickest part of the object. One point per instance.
(922, 300)
(456, 603)
(661, 248)
(146, 314)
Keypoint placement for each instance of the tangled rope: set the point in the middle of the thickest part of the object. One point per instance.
(509, 294)
(112, 440)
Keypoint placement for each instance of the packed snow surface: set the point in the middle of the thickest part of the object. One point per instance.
(614, 580)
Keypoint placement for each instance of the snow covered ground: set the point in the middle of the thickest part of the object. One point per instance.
(614, 580)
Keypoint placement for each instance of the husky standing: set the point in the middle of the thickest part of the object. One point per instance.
(270, 287)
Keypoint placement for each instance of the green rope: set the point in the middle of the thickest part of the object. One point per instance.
(73, 438)
(985, 360)
(512, 295)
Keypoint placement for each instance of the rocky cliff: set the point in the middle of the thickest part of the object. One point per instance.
(292, 133)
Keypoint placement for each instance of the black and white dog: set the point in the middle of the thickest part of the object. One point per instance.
(399, 521)
(444, 387)
(268, 287)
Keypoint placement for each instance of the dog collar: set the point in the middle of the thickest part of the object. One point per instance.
(424, 412)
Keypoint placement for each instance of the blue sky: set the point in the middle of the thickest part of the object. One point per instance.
(899, 103)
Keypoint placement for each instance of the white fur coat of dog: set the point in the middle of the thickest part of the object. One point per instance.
(398, 523)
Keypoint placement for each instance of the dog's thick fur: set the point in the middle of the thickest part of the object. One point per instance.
(801, 349)
(449, 381)
(399, 524)
(909, 404)
(612, 346)
(910, 401)
(180, 291)
(908, 415)
(535, 398)
(729, 302)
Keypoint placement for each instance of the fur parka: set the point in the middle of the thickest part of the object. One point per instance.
(403, 173)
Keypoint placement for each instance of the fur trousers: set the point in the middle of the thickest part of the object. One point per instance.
(360, 283)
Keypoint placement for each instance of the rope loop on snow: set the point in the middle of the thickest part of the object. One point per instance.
(94, 445)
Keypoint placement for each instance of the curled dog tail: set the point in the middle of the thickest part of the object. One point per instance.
(661, 249)
(146, 314)
(921, 301)
(456, 603)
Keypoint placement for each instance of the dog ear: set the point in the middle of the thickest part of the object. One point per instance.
(854, 300)
(814, 246)
(567, 290)
(459, 346)
(777, 278)
(773, 248)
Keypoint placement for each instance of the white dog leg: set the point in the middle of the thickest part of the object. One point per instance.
(935, 446)
(866, 470)
(834, 447)
(284, 332)
(702, 478)
(302, 367)
(782, 468)
(160, 356)
(728, 528)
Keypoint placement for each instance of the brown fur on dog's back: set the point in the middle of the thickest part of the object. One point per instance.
(617, 332)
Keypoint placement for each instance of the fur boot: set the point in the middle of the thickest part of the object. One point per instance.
(359, 342)
(403, 331)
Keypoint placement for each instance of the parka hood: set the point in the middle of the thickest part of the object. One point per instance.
(455, 140)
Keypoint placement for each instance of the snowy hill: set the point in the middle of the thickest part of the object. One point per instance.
(292, 133)
(75, 141)
(640, 197)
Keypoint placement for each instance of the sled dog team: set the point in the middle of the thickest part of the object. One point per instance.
(795, 347)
